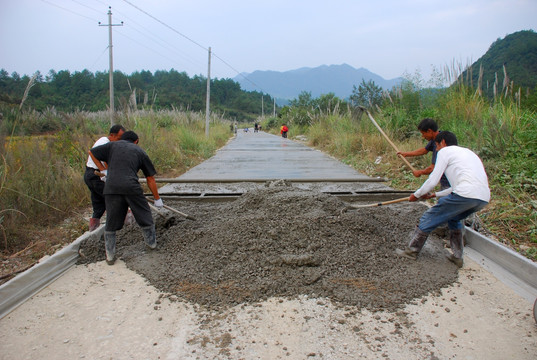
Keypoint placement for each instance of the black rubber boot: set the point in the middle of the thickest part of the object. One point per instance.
(455, 241)
(110, 246)
(150, 236)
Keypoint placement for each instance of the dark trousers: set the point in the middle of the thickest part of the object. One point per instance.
(96, 187)
(118, 205)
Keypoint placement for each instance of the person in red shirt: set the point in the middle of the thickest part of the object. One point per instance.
(283, 130)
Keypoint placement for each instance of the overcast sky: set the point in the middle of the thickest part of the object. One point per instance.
(387, 37)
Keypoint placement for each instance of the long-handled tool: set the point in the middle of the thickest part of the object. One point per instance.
(157, 210)
(380, 203)
(387, 138)
(173, 210)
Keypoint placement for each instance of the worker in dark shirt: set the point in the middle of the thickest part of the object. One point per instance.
(123, 190)
(429, 130)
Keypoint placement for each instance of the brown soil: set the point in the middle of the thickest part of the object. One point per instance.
(281, 241)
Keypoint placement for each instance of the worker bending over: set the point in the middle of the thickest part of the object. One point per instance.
(469, 193)
(123, 190)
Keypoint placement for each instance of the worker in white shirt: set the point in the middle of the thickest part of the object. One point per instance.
(469, 193)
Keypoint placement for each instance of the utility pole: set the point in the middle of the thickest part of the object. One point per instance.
(274, 108)
(207, 105)
(262, 108)
(111, 70)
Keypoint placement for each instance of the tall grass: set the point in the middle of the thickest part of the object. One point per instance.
(41, 176)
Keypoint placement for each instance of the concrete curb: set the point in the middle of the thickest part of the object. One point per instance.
(17, 290)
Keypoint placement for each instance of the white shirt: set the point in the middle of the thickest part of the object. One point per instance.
(101, 141)
(463, 169)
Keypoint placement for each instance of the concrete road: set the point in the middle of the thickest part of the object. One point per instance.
(262, 156)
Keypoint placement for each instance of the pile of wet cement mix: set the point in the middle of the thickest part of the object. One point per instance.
(281, 241)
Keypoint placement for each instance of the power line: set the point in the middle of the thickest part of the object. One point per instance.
(155, 38)
(86, 6)
(196, 43)
(166, 25)
(71, 11)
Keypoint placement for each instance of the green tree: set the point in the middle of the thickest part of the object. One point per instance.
(368, 95)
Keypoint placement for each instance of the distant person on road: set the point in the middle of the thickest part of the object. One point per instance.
(123, 190)
(235, 127)
(283, 130)
(469, 193)
(94, 182)
(256, 127)
(429, 130)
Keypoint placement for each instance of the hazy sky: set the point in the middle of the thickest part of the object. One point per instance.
(387, 37)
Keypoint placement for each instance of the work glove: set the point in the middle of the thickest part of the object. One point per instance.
(159, 204)
(105, 172)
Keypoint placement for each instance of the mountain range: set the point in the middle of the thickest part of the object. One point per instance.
(287, 85)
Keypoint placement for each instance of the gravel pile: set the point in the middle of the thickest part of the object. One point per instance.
(281, 241)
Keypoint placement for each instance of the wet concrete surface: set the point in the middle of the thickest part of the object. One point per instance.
(282, 238)
(263, 156)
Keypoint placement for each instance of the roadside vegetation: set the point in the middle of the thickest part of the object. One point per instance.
(501, 130)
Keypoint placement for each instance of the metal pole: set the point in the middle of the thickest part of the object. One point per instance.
(111, 62)
(207, 106)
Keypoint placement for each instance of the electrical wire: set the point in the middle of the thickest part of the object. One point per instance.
(166, 25)
(162, 23)
(194, 42)
(71, 11)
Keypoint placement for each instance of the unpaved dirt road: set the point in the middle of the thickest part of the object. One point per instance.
(281, 273)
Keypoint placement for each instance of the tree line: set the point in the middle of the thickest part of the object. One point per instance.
(83, 90)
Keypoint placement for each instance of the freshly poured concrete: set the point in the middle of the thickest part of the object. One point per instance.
(263, 156)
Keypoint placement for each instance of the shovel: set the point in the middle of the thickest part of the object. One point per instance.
(171, 209)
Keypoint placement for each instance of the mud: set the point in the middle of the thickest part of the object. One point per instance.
(282, 241)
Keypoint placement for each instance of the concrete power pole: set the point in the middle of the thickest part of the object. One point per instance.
(111, 71)
(207, 105)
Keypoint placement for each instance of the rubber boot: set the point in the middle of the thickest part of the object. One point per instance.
(415, 245)
(455, 241)
(94, 223)
(150, 236)
(110, 246)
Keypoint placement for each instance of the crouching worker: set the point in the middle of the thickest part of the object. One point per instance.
(122, 189)
(469, 193)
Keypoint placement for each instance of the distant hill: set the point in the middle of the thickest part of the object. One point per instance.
(518, 52)
(337, 79)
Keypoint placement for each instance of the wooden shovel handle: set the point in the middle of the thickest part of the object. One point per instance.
(381, 203)
(388, 139)
(174, 210)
